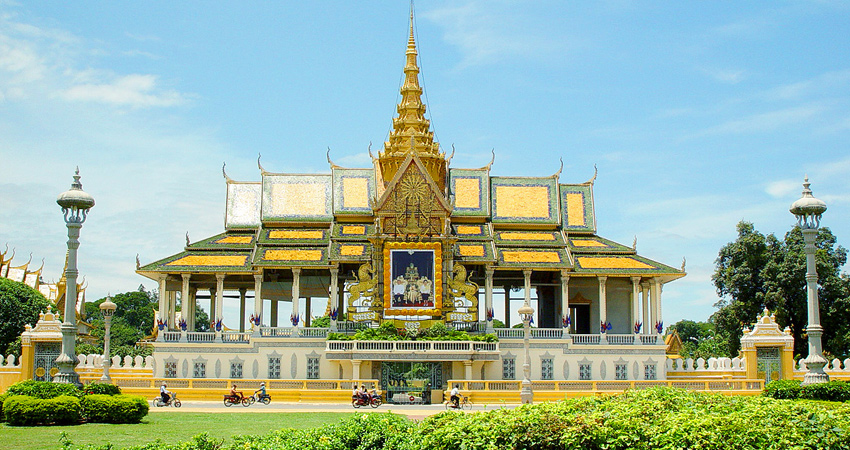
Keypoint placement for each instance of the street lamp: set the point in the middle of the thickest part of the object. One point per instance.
(526, 312)
(808, 211)
(107, 308)
(75, 205)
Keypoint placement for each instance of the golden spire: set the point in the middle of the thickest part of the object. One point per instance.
(411, 131)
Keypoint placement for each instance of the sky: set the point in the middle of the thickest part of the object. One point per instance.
(697, 115)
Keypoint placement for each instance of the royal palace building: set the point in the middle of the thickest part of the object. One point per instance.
(413, 241)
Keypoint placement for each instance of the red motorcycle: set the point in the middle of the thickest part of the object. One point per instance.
(230, 400)
(373, 401)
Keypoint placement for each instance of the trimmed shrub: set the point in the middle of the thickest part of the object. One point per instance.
(834, 391)
(101, 408)
(28, 411)
(101, 388)
(2, 399)
(43, 389)
(783, 389)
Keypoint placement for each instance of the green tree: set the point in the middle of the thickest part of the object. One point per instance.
(19, 306)
(699, 340)
(756, 272)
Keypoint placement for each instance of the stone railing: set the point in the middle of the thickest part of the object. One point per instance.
(707, 365)
(835, 368)
(10, 361)
(128, 362)
(581, 339)
(610, 385)
(411, 346)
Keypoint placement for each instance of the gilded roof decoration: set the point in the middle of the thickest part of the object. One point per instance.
(525, 238)
(202, 261)
(297, 198)
(596, 244)
(471, 191)
(288, 257)
(577, 208)
(413, 204)
(354, 189)
(351, 251)
(622, 264)
(229, 240)
(243, 205)
(359, 231)
(471, 231)
(474, 251)
(291, 236)
(524, 200)
(533, 257)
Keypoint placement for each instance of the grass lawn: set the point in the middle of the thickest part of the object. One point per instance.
(168, 426)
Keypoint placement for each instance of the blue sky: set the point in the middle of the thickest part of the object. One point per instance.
(697, 115)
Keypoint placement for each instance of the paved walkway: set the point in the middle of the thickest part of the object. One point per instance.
(412, 411)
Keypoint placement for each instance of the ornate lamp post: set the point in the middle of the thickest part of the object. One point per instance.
(75, 205)
(526, 312)
(808, 211)
(107, 308)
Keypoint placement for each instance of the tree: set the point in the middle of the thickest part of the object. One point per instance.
(756, 272)
(699, 340)
(19, 305)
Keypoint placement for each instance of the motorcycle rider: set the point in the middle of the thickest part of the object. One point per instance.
(164, 394)
(237, 395)
(261, 391)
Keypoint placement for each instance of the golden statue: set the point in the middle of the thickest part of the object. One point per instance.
(365, 286)
(462, 288)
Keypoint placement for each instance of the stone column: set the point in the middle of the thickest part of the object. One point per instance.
(184, 299)
(172, 311)
(296, 292)
(647, 319)
(565, 301)
(219, 296)
(467, 370)
(507, 289)
(656, 302)
(308, 311)
(242, 292)
(213, 295)
(355, 369)
(273, 322)
(526, 275)
(258, 299)
(488, 297)
(603, 307)
(193, 306)
(636, 308)
(163, 301)
(333, 301)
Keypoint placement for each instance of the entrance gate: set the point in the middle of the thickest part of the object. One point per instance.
(44, 364)
(410, 382)
(768, 364)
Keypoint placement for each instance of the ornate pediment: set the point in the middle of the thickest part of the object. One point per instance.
(413, 204)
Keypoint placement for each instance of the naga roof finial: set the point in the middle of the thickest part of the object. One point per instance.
(492, 160)
(593, 178)
(328, 155)
(226, 178)
(187, 239)
(448, 161)
(260, 166)
(138, 263)
(558, 173)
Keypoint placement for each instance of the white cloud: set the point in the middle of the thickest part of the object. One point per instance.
(486, 35)
(783, 189)
(730, 76)
(130, 90)
(768, 121)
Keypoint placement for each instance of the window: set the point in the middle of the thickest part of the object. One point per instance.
(508, 369)
(547, 369)
(621, 372)
(274, 368)
(585, 372)
(236, 370)
(200, 370)
(649, 372)
(313, 368)
(171, 369)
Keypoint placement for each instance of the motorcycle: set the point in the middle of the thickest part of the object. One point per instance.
(373, 401)
(172, 401)
(230, 400)
(262, 398)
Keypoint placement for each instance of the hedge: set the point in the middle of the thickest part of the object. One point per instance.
(658, 418)
(43, 389)
(101, 388)
(100, 408)
(26, 410)
(834, 391)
